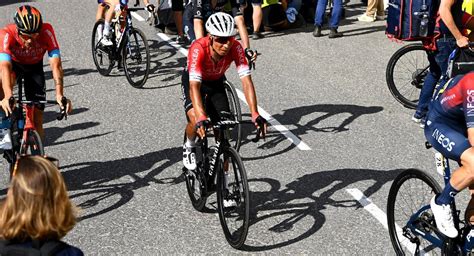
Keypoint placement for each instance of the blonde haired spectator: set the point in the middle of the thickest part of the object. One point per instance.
(37, 211)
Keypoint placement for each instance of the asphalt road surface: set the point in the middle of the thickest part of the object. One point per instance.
(319, 183)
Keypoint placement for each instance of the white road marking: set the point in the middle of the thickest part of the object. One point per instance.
(277, 125)
(379, 215)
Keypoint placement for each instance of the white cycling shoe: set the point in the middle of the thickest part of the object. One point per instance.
(444, 218)
(189, 157)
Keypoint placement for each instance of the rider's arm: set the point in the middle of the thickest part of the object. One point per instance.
(7, 83)
(250, 95)
(447, 17)
(58, 75)
(198, 28)
(244, 36)
(470, 136)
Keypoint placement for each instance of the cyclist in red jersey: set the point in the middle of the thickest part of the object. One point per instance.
(208, 59)
(22, 48)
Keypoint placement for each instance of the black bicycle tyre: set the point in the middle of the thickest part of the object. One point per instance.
(235, 240)
(236, 111)
(392, 198)
(389, 75)
(32, 145)
(134, 32)
(95, 44)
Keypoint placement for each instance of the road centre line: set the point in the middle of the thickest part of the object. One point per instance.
(379, 215)
(275, 124)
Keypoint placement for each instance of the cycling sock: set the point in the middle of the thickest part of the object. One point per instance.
(106, 28)
(190, 143)
(447, 196)
(100, 30)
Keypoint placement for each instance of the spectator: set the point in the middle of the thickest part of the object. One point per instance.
(257, 18)
(281, 15)
(334, 21)
(375, 10)
(36, 212)
(178, 8)
(453, 21)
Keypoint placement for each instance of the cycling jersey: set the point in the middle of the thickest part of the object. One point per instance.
(12, 46)
(202, 67)
(451, 114)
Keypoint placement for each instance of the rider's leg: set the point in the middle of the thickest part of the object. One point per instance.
(109, 14)
(98, 16)
(191, 127)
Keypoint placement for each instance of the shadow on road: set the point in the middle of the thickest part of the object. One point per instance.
(16, 2)
(100, 187)
(304, 200)
(294, 116)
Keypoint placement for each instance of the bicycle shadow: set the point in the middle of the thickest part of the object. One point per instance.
(164, 63)
(306, 197)
(92, 184)
(294, 117)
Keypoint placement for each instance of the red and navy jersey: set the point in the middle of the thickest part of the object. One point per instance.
(457, 101)
(202, 67)
(12, 46)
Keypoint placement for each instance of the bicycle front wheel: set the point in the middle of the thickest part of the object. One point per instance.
(101, 55)
(32, 145)
(233, 197)
(406, 72)
(410, 191)
(234, 104)
(136, 58)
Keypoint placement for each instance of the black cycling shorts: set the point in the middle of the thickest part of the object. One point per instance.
(213, 94)
(34, 86)
(202, 8)
(177, 5)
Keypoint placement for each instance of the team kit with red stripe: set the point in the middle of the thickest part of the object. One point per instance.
(202, 68)
(28, 61)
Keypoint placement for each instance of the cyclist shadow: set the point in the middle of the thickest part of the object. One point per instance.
(54, 133)
(100, 187)
(8, 2)
(294, 117)
(164, 64)
(283, 212)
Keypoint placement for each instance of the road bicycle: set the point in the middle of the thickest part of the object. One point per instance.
(220, 169)
(405, 73)
(25, 138)
(411, 223)
(129, 49)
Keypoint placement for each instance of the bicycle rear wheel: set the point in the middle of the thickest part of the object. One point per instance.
(410, 191)
(234, 104)
(101, 55)
(406, 72)
(136, 58)
(233, 197)
(32, 145)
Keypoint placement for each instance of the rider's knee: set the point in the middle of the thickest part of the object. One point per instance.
(467, 161)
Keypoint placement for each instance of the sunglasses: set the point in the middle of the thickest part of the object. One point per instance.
(223, 40)
(26, 36)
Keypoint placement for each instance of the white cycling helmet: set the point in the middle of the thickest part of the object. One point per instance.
(221, 24)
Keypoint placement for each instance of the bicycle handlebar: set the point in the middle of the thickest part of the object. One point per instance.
(135, 9)
(62, 113)
(230, 123)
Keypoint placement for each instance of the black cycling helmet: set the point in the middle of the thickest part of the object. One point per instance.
(28, 19)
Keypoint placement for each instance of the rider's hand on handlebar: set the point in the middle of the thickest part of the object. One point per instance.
(260, 123)
(462, 42)
(201, 124)
(64, 101)
(7, 105)
(251, 56)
